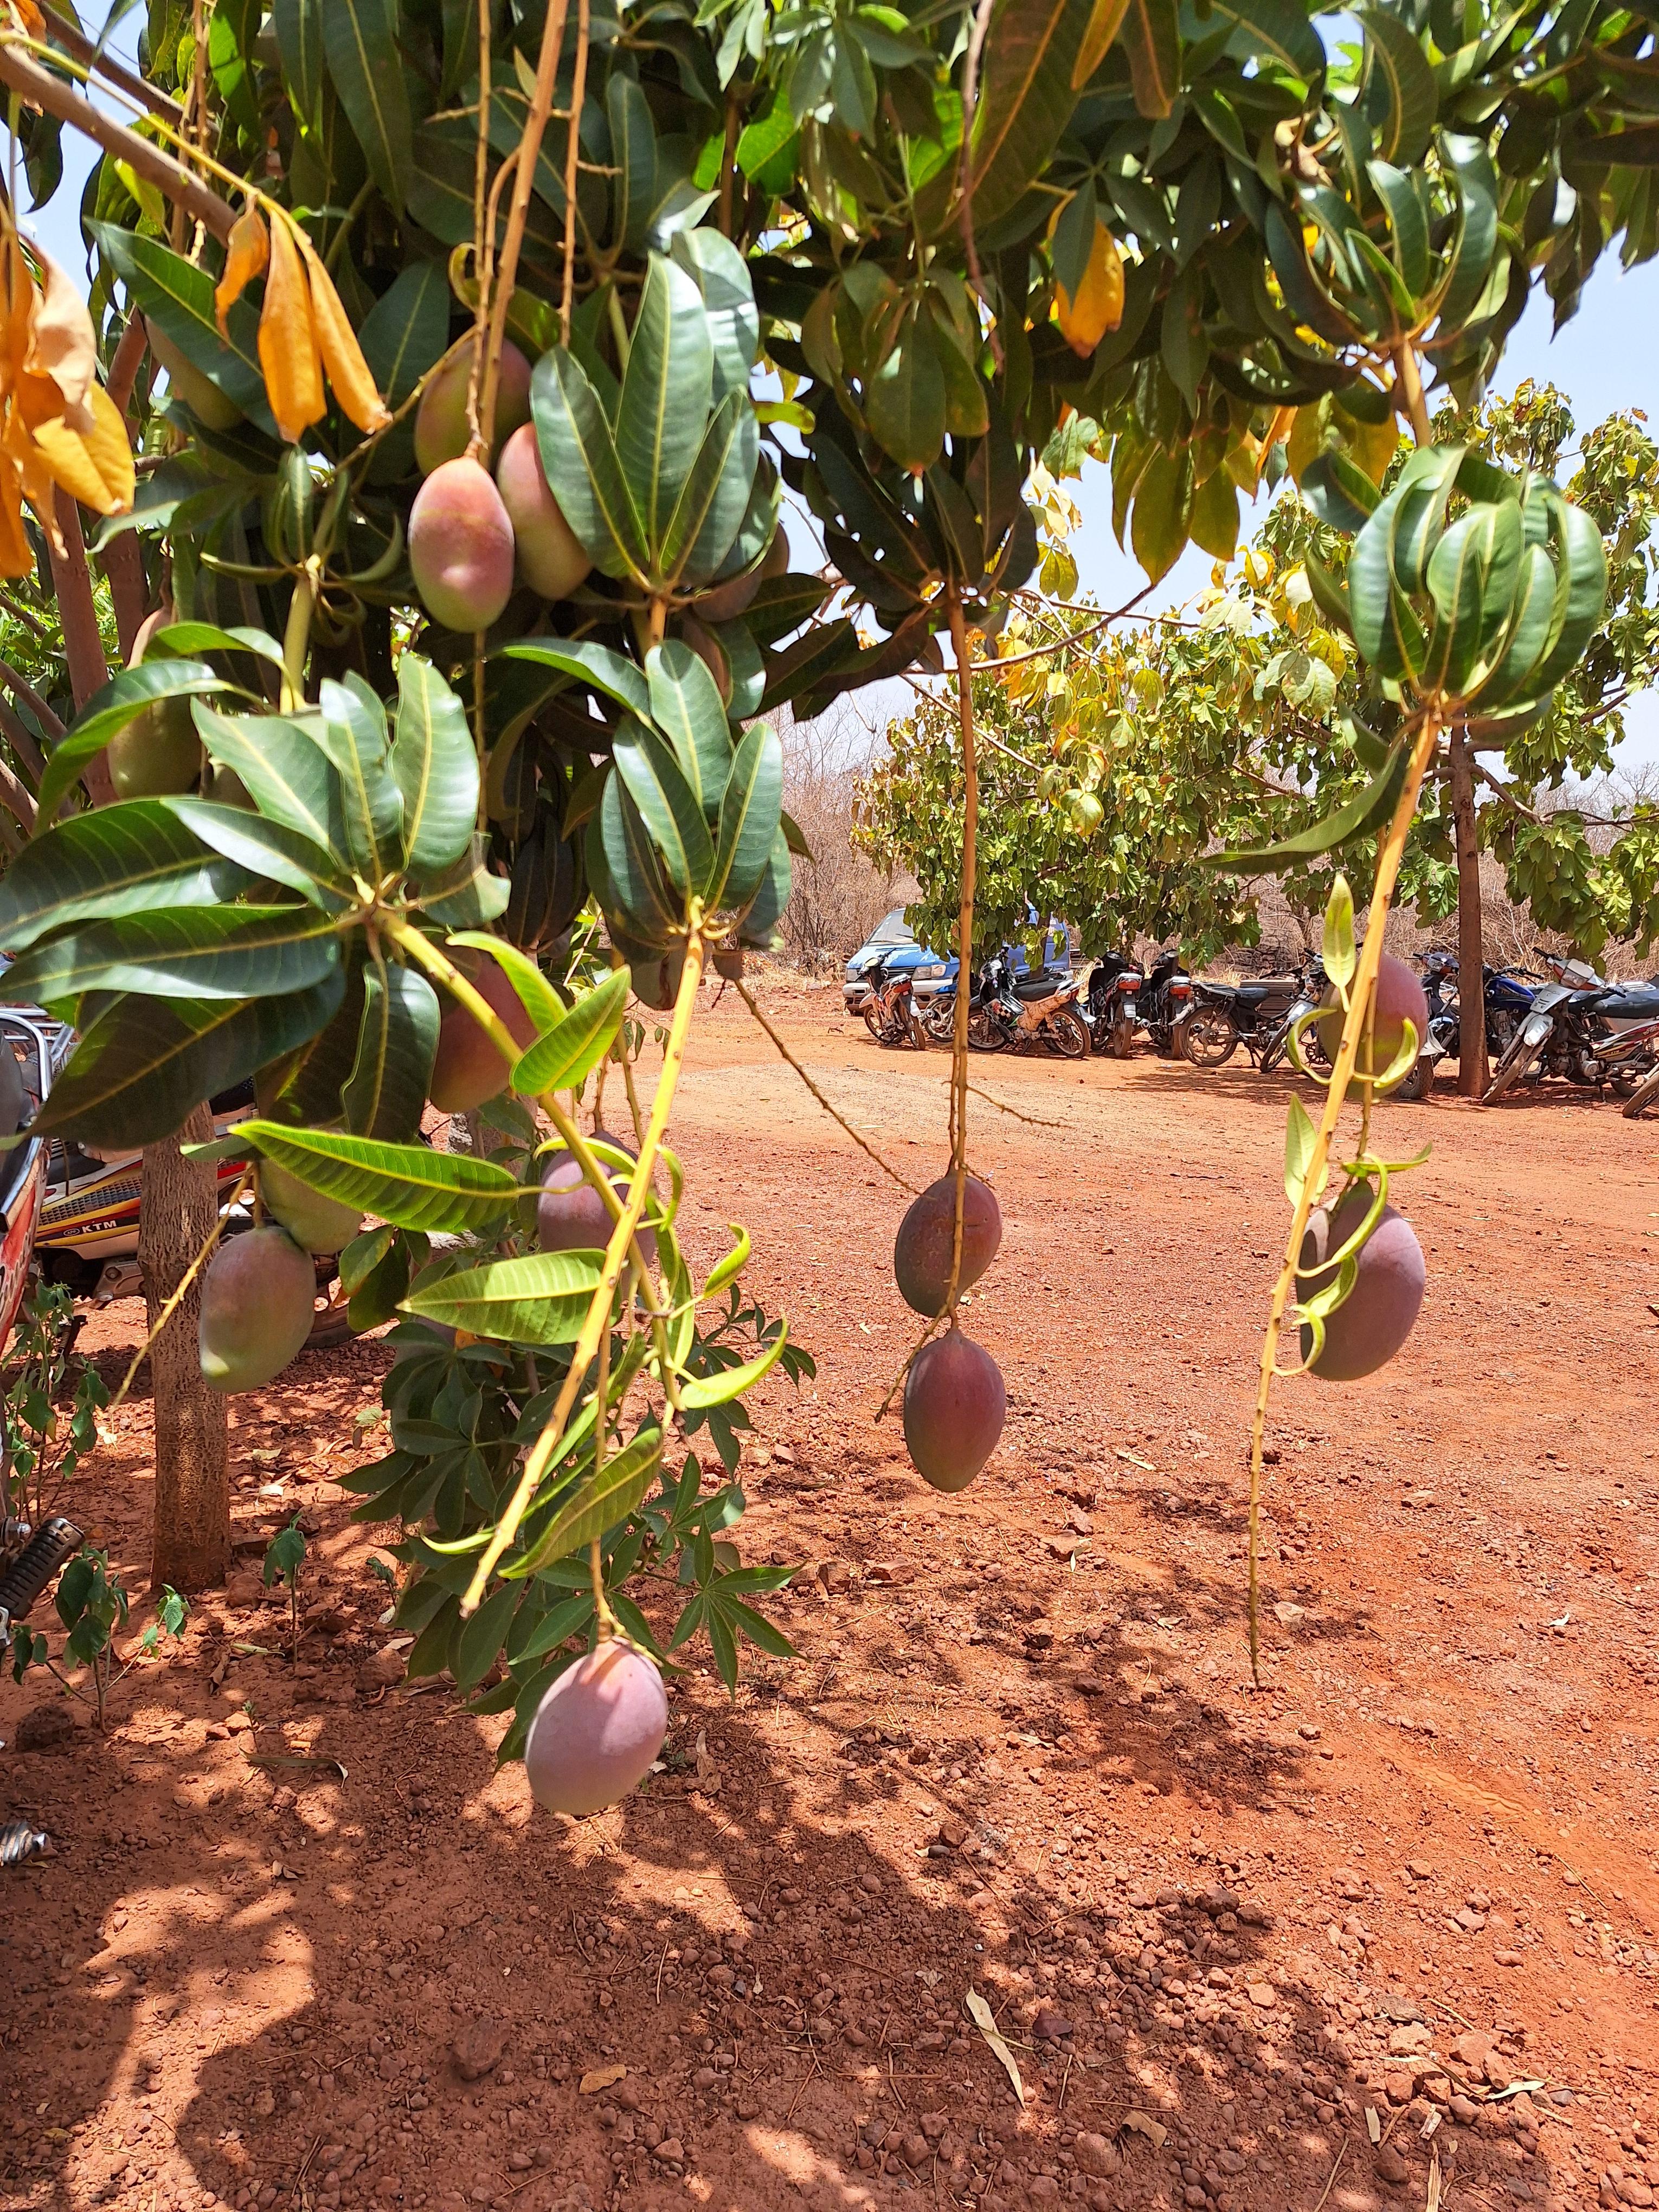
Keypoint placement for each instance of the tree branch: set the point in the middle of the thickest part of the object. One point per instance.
(74, 41)
(26, 77)
(32, 699)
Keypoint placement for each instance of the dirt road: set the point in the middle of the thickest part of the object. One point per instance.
(1278, 1948)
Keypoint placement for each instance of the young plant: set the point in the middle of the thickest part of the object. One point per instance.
(92, 1605)
(43, 1444)
(285, 1555)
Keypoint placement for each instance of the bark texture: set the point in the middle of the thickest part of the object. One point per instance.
(191, 1543)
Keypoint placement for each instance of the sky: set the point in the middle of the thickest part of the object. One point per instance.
(1606, 357)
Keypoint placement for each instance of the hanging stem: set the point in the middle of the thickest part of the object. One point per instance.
(965, 936)
(1356, 1026)
(607, 1619)
(524, 179)
(484, 233)
(572, 158)
(597, 1319)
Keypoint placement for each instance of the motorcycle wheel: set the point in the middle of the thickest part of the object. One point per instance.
(985, 1034)
(1645, 1094)
(940, 1022)
(1209, 1037)
(1066, 1035)
(872, 1019)
(1418, 1082)
(1510, 1069)
(1120, 1041)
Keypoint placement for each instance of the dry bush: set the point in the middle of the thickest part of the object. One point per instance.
(838, 895)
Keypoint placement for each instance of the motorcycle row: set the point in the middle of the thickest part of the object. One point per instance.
(1560, 1020)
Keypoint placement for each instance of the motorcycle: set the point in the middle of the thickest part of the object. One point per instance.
(1258, 1016)
(890, 1011)
(1123, 998)
(1509, 996)
(1586, 1030)
(1023, 1011)
(1309, 997)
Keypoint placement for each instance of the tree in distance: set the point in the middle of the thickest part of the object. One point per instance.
(927, 1236)
(954, 1404)
(258, 1297)
(1377, 1315)
(597, 1732)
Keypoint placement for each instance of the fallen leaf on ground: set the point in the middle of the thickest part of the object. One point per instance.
(602, 2077)
(1144, 2125)
(983, 2019)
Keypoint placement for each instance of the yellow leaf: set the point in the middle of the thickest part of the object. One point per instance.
(288, 341)
(348, 372)
(1098, 307)
(63, 344)
(985, 2021)
(31, 18)
(1105, 20)
(1307, 440)
(246, 257)
(16, 554)
(1373, 446)
(94, 466)
(1282, 424)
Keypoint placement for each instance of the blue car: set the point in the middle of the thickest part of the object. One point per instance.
(890, 943)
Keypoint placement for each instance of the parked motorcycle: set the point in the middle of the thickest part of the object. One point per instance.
(890, 1011)
(1585, 1030)
(1025, 1010)
(1123, 999)
(1258, 1016)
(1509, 996)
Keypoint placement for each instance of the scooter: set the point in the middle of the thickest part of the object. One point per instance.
(1025, 1011)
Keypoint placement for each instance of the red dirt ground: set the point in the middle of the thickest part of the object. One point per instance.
(1230, 1934)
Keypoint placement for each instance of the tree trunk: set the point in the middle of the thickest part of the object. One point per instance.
(191, 1543)
(1472, 1071)
(83, 648)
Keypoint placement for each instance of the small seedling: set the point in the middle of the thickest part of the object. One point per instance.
(284, 1556)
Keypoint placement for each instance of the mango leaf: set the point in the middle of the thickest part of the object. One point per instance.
(540, 1298)
(572, 1048)
(711, 509)
(1275, 30)
(1298, 1149)
(1360, 815)
(383, 1095)
(904, 398)
(630, 866)
(1338, 949)
(535, 994)
(353, 733)
(578, 454)
(687, 707)
(187, 640)
(264, 848)
(108, 712)
(194, 952)
(750, 808)
(364, 65)
(178, 298)
(665, 391)
(721, 275)
(467, 895)
(668, 806)
(1151, 39)
(286, 773)
(599, 665)
(133, 858)
(1026, 96)
(1398, 62)
(435, 766)
(411, 1186)
(1472, 577)
(1582, 567)
(142, 1065)
(597, 1503)
(299, 27)
(1105, 20)
(482, 1637)
(728, 1269)
(719, 1388)
(407, 329)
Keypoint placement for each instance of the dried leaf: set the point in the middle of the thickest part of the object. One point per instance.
(1144, 2125)
(602, 2077)
(16, 554)
(1098, 307)
(63, 344)
(246, 256)
(342, 357)
(29, 14)
(95, 465)
(288, 341)
(983, 2019)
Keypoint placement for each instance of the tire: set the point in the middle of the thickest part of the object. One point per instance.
(872, 1019)
(940, 1022)
(1646, 1094)
(1419, 1082)
(1510, 1069)
(1066, 1035)
(983, 1034)
(1120, 1041)
(1209, 1037)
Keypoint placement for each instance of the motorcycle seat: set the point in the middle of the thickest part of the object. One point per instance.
(1629, 1002)
(1254, 994)
(1030, 988)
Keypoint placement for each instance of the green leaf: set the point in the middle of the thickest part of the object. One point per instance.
(108, 712)
(362, 1256)
(360, 44)
(284, 1555)
(1026, 97)
(606, 670)
(467, 895)
(668, 806)
(1408, 222)
(598, 1502)
(750, 807)
(711, 510)
(386, 1090)
(728, 1269)
(1339, 952)
(353, 733)
(411, 1186)
(286, 771)
(196, 953)
(687, 707)
(1473, 575)
(1275, 30)
(904, 399)
(267, 850)
(1582, 567)
(665, 391)
(187, 640)
(178, 297)
(435, 766)
(760, 922)
(299, 27)
(1298, 1149)
(1164, 498)
(1528, 636)
(1214, 523)
(481, 1638)
(578, 454)
(719, 1388)
(407, 329)
(142, 1065)
(721, 274)
(629, 862)
(1360, 815)
(1398, 62)
(1151, 39)
(131, 857)
(1105, 20)
(540, 1298)
(572, 1048)
(633, 159)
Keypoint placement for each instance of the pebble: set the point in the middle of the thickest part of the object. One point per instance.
(1390, 2166)
(1096, 2157)
(479, 2048)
